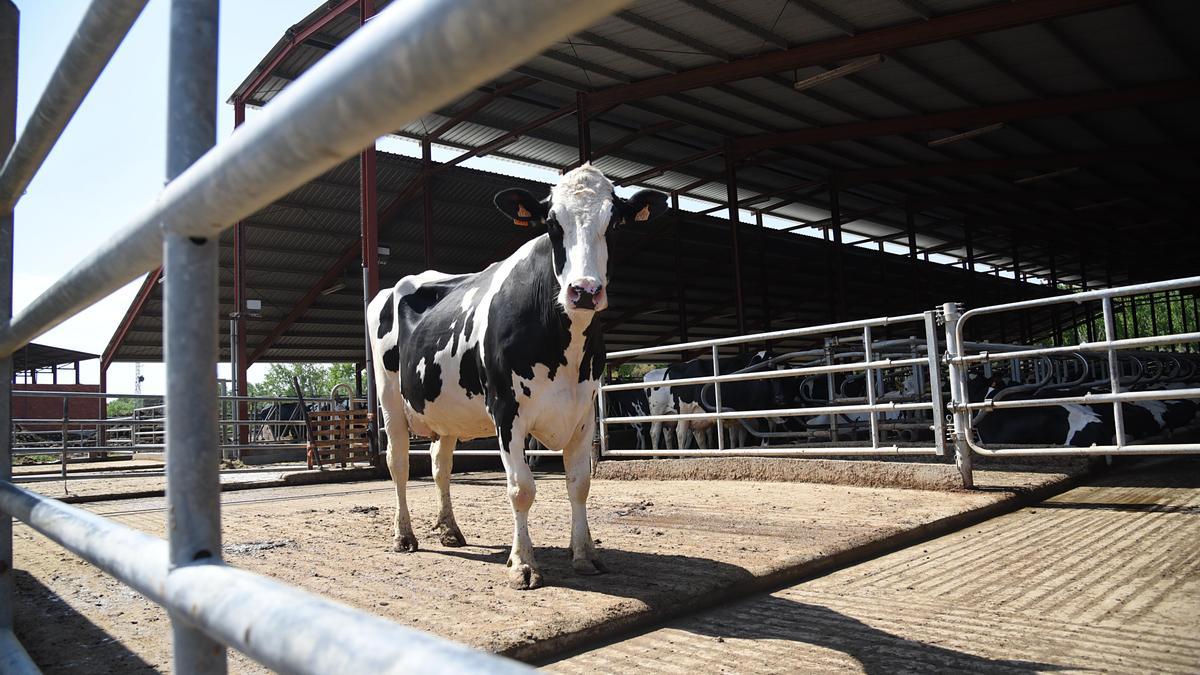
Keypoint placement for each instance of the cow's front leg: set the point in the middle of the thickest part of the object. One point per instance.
(579, 481)
(441, 453)
(523, 573)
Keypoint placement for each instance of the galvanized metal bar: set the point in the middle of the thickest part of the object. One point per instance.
(1086, 399)
(773, 335)
(935, 382)
(10, 651)
(1098, 294)
(285, 629)
(100, 32)
(779, 451)
(602, 410)
(1127, 343)
(829, 388)
(14, 660)
(407, 61)
(1114, 372)
(874, 419)
(890, 406)
(716, 363)
(881, 364)
(190, 335)
(958, 394)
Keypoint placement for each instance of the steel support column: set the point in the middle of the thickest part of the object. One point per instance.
(735, 227)
(1055, 318)
(680, 289)
(237, 346)
(910, 226)
(838, 303)
(369, 218)
(764, 290)
(427, 199)
(9, 31)
(585, 132)
(190, 341)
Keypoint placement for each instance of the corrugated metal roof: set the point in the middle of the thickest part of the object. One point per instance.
(1092, 51)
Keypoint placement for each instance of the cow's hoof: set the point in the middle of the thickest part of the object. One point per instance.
(524, 577)
(405, 543)
(452, 537)
(588, 567)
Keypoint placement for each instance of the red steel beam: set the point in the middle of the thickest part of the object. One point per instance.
(295, 41)
(1007, 112)
(950, 27)
(1124, 154)
(348, 255)
(135, 308)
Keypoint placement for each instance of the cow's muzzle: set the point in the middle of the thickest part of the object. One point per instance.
(580, 297)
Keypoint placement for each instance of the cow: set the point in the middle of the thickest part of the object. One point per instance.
(659, 399)
(751, 395)
(511, 351)
(630, 403)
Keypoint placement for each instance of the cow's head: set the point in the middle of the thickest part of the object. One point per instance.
(578, 215)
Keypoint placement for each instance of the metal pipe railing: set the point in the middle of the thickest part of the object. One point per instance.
(408, 60)
(100, 32)
(281, 627)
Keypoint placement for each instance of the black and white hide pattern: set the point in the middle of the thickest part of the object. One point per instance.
(512, 351)
(686, 399)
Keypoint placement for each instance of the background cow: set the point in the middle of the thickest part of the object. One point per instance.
(510, 351)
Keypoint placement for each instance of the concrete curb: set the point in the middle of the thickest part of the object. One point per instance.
(790, 572)
(303, 478)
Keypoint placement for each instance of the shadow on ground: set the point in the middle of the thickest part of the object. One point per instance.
(668, 584)
(61, 640)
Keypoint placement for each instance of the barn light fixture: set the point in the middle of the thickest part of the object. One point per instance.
(383, 253)
(253, 308)
(1043, 176)
(841, 71)
(966, 134)
(334, 288)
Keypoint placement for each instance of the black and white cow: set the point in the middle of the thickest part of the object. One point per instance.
(630, 403)
(686, 399)
(511, 351)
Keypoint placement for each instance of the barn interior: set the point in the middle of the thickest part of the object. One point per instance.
(882, 157)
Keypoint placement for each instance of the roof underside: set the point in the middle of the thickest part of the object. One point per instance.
(34, 356)
(1096, 104)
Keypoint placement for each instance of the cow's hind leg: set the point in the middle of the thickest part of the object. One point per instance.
(441, 454)
(523, 572)
(397, 461)
(579, 481)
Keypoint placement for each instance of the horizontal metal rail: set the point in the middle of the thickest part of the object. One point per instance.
(965, 435)
(281, 627)
(410, 59)
(877, 364)
(883, 407)
(764, 337)
(779, 451)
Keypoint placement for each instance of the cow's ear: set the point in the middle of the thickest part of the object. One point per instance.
(644, 205)
(521, 206)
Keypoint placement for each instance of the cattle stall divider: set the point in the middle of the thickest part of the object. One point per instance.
(870, 365)
(963, 355)
(408, 60)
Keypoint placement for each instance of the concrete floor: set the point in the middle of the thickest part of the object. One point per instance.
(1105, 577)
(671, 546)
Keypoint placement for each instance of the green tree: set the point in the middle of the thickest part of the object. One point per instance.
(121, 407)
(316, 379)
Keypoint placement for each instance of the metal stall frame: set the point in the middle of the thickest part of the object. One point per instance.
(958, 361)
(872, 408)
(410, 59)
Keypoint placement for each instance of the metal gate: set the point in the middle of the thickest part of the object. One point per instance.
(1112, 372)
(873, 407)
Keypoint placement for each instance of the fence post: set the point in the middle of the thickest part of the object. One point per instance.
(190, 330)
(958, 395)
(9, 21)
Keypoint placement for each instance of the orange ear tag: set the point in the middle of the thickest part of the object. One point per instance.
(522, 223)
(522, 211)
(644, 214)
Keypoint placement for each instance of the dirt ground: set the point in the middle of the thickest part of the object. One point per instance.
(1103, 578)
(668, 544)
